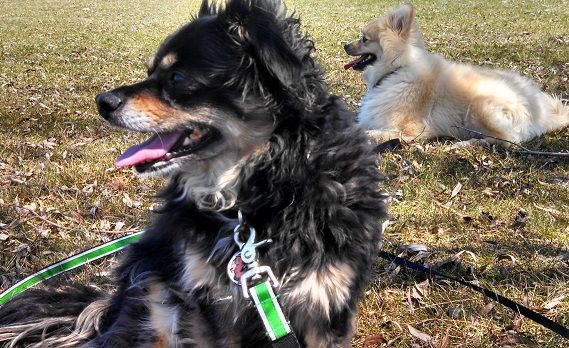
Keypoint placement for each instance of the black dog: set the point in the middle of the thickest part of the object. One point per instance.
(241, 121)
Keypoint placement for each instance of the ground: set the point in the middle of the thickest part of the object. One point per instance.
(497, 216)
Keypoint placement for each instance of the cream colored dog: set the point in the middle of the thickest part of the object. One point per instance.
(413, 94)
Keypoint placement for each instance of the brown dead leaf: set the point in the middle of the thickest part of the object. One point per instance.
(511, 337)
(374, 341)
(436, 230)
(423, 287)
(487, 309)
(509, 257)
(520, 220)
(418, 334)
(117, 185)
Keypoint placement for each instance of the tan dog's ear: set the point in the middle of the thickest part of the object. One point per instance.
(401, 19)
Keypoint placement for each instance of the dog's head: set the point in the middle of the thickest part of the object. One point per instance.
(212, 95)
(385, 40)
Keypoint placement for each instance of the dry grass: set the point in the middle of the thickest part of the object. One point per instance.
(57, 159)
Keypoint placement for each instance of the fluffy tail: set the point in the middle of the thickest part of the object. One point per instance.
(558, 111)
(64, 317)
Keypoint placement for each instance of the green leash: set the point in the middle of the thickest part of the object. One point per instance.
(270, 311)
(69, 264)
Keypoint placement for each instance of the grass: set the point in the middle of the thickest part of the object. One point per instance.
(511, 213)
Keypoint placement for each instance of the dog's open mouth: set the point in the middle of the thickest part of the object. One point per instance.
(361, 62)
(163, 149)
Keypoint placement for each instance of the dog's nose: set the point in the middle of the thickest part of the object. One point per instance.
(347, 47)
(107, 103)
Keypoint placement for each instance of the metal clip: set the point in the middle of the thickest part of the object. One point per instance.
(248, 254)
(254, 274)
(248, 249)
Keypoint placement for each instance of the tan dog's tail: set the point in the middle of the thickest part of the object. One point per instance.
(559, 112)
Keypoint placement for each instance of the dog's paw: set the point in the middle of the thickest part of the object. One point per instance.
(468, 143)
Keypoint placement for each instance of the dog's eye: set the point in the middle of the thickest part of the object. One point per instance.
(177, 77)
(364, 38)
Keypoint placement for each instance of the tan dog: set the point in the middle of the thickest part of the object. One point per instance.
(414, 94)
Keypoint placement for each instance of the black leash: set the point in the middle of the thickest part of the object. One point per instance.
(288, 341)
(526, 312)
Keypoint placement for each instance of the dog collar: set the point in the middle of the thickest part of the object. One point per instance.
(384, 77)
(244, 269)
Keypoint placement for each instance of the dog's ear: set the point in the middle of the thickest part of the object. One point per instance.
(206, 9)
(401, 19)
(258, 25)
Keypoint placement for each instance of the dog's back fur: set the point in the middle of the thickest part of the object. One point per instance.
(307, 179)
(414, 94)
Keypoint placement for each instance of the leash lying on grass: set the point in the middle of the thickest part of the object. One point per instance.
(70, 263)
(523, 310)
(120, 243)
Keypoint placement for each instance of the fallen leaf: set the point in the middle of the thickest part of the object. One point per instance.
(373, 341)
(509, 257)
(418, 334)
(3, 237)
(21, 248)
(455, 313)
(511, 337)
(414, 248)
(119, 225)
(458, 255)
(487, 309)
(520, 220)
(456, 190)
(554, 303)
(44, 233)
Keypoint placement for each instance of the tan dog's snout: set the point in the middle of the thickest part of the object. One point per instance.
(353, 49)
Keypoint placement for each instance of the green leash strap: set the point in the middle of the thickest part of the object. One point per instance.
(269, 310)
(69, 264)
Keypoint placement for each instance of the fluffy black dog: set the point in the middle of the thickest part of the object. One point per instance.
(241, 120)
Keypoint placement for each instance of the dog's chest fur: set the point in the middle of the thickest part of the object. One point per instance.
(324, 240)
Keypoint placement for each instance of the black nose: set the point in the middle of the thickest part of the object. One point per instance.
(347, 47)
(107, 103)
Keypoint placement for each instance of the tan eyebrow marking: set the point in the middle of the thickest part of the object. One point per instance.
(168, 60)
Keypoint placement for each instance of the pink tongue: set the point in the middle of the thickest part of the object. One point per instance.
(353, 62)
(151, 149)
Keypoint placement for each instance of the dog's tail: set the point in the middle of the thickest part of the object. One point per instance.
(558, 111)
(65, 317)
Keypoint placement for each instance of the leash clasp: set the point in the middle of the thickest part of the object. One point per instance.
(248, 249)
(248, 255)
(254, 273)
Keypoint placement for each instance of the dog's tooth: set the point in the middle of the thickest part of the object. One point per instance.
(186, 142)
